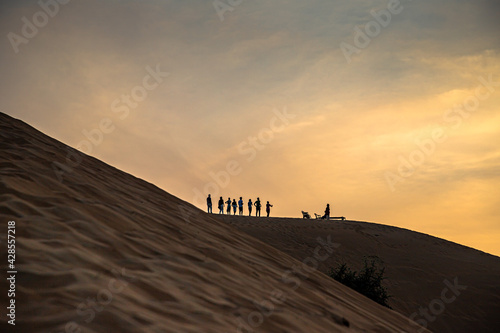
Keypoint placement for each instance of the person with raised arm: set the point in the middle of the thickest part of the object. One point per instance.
(268, 208)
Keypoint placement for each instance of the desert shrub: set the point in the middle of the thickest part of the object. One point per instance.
(367, 282)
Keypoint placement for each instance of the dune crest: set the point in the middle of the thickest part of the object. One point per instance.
(99, 250)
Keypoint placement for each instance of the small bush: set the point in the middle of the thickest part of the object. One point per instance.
(367, 282)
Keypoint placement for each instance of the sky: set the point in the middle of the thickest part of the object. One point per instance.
(386, 110)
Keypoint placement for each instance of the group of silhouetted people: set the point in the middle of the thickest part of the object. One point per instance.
(238, 206)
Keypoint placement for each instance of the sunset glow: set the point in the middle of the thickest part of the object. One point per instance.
(264, 99)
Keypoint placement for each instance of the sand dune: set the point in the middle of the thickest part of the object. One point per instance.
(99, 250)
(416, 266)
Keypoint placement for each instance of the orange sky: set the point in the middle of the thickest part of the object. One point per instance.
(392, 119)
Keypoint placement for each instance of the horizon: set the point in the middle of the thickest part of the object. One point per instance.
(386, 110)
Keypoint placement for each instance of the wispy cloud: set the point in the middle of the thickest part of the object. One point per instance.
(353, 121)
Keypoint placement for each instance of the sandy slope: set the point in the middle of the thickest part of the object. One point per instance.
(103, 251)
(416, 265)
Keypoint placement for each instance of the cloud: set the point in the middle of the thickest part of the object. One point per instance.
(353, 121)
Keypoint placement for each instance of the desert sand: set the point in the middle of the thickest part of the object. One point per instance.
(98, 250)
(416, 266)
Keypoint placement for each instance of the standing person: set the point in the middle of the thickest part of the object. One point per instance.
(234, 206)
(240, 205)
(209, 204)
(228, 203)
(268, 208)
(327, 212)
(250, 205)
(221, 206)
(257, 207)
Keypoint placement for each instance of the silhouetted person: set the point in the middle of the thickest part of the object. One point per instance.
(221, 206)
(250, 205)
(257, 207)
(240, 205)
(209, 204)
(234, 206)
(268, 208)
(228, 203)
(327, 212)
